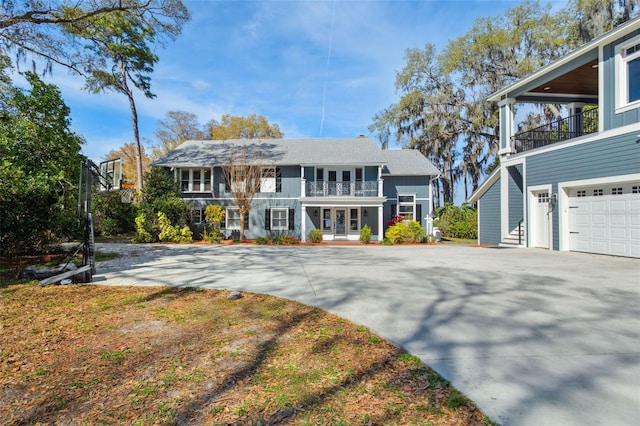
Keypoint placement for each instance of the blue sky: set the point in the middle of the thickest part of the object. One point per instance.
(316, 68)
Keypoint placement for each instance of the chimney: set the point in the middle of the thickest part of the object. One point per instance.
(361, 136)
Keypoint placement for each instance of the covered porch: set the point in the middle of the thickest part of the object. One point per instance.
(342, 220)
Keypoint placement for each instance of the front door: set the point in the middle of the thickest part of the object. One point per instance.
(341, 223)
(540, 210)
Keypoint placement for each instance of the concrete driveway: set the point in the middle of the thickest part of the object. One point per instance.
(533, 337)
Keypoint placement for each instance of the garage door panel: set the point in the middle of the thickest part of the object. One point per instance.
(605, 219)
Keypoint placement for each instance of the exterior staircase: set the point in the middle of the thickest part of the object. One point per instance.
(515, 239)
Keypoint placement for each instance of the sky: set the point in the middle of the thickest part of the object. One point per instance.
(315, 68)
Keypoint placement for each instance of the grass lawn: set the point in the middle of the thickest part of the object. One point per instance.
(459, 241)
(88, 354)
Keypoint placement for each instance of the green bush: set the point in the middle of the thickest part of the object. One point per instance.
(172, 234)
(457, 222)
(386, 242)
(262, 240)
(315, 236)
(365, 234)
(213, 236)
(285, 239)
(112, 216)
(145, 230)
(405, 232)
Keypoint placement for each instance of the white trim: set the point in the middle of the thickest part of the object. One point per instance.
(226, 219)
(619, 131)
(485, 186)
(600, 89)
(563, 201)
(286, 219)
(621, 93)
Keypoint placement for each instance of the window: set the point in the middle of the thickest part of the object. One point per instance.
(581, 193)
(232, 219)
(319, 175)
(407, 206)
(196, 216)
(279, 219)
(353, 220)
(616, 191)
(268, 180)
(195, 180)
(543, 197)
(359, 174)
(635, 190)
(326, 219)
(628, 73)
(184, 180)
(598, 192)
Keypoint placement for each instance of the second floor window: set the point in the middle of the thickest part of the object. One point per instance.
(407, 206)
(195, 180)
(628, 73)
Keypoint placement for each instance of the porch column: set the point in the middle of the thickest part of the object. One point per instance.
(303, 224)
(380, 229)
(504, 202)
(302, 182)
(380, 181)
(506, 125)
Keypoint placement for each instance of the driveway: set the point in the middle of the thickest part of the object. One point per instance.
(533, 337)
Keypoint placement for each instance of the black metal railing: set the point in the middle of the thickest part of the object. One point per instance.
(567, 128)
(520, 232)
(342, 189)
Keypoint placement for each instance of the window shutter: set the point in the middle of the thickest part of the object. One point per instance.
(291, 217)
(418, 217)
(394, 209)
(267, 219)
(278, 179)
(246, 222)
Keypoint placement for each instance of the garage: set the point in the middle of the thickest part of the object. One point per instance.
(605, 219)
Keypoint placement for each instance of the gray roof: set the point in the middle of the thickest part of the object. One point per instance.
(407, 162)
(304, 152)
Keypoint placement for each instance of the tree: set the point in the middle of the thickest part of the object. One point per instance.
(442, 108)
(128, 154)
(39, 158)
(177, 127)
(121, 44)
(242, 174)
(34, 27)
(251, 127)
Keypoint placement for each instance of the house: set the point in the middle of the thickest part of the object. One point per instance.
(335, 185)
(573, 184)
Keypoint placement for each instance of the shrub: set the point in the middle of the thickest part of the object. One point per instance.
(145, 230)
(386, 242)
(315, 236)
(405, 232)
(394, 219)
(214, 214)
(365, 234)
(285, 239)
(262, 241)
(457, 222)
(170, 233)
(113, 217)
(212, 236)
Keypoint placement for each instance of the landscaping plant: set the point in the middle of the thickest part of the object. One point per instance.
(365, 234)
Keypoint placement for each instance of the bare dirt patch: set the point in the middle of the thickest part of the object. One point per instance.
(125, 355)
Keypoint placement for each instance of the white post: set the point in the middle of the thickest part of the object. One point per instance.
(303, 224)
(302, 182)
(380, 229)
(380, 181)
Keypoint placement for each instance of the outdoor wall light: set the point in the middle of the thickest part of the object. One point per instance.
(366, 213)
(315, 213)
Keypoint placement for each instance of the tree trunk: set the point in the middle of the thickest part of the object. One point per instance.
(136, 132)
(242, 215)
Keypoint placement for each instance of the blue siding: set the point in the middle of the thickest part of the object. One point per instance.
(394, 185)
(585, 161)
(611, 119)
(516, 212)
(489, 212)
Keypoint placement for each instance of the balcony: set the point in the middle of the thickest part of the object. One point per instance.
(574, 126)
(341, 189)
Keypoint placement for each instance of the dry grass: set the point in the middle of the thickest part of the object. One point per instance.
(104, 355)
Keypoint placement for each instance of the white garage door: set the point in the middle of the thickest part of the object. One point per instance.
(605, 219)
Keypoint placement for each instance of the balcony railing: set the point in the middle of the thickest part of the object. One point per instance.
(567, 128)
(342, 189)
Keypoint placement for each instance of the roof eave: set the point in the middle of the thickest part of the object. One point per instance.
(612, 35)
